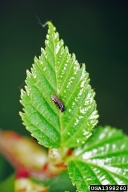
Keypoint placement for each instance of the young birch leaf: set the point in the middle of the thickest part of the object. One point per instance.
(103, 160)
(57, 76)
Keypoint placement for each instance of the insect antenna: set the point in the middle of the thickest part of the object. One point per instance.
(40, 23)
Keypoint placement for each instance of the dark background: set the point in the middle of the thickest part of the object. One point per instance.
(96, 31)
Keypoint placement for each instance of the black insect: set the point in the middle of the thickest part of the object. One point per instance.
(58, 102)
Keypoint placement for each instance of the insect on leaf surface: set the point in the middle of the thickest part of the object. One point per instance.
(70, 119)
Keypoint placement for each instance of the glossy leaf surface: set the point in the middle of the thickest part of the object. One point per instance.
(58, 73)
(103, 160)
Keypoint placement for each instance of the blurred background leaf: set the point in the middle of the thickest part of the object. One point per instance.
(8, 184)
(59, 183)
(96, 31)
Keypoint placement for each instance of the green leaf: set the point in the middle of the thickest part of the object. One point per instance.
(59, 183)
(57, 72)
(8, 184)
(103, 160)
